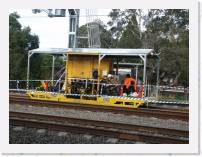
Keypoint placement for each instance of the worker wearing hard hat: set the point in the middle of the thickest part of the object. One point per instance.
(130, 85)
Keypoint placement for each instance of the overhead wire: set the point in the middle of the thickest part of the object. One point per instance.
(60, 17)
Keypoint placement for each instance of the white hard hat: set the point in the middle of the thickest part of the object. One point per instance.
(109, 75)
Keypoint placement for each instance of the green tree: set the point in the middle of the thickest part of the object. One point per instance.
(82, 32)
(166, 28)
(131, 35)
(167, 32)
(20, 42)
(125, 28)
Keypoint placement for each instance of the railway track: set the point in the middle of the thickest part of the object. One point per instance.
(168, 107)
(110, 129)
(146, 112)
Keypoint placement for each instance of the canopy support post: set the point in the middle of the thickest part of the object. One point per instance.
(100, 57)
(53, 68)
(66, 77)
(30, 53)
(157, 77)
(136, 73)
(144, 58)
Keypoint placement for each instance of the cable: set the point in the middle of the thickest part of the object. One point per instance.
(59, 17)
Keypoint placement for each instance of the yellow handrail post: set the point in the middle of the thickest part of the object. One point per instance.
(98, 81)
(66, 77)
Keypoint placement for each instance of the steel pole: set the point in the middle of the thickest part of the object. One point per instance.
(66, 77)
(144, 73)
(28, 68)
(136, 73)
(53, 68)
(157, 77)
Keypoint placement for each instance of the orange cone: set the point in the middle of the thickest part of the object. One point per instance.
(140, 92)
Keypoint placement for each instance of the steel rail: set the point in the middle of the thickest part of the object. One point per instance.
(158, 113)
(150, 106)
(118, 130)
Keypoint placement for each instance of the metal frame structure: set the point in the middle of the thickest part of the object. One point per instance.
(93, 29)
(142, 53)
(73, 27)
(52, 51)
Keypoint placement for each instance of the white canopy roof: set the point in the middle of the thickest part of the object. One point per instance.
(50, 50)
(102, 51)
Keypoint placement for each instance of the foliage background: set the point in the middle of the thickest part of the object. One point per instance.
(165, 31)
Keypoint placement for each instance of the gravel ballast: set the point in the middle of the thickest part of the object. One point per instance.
(103, 116)
(34, 136)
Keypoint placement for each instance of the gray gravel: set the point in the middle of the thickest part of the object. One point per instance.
(109, 117)
(34, 136)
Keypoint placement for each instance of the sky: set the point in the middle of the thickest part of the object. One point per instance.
(53, 32)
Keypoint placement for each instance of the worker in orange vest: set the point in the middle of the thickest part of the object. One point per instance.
(130, 84)
(46, 86)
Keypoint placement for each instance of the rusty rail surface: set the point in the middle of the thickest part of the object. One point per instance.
(118, 130)
(146, 112)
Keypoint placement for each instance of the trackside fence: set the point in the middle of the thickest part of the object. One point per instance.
(89, 86)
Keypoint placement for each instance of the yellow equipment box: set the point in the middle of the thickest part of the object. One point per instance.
(83, 66)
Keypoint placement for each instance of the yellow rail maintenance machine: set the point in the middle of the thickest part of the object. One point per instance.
(95, 76)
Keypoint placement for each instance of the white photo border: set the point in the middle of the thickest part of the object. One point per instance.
(191, 148)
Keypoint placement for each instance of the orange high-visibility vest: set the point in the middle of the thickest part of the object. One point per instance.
(127, 83)
(46, 86)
